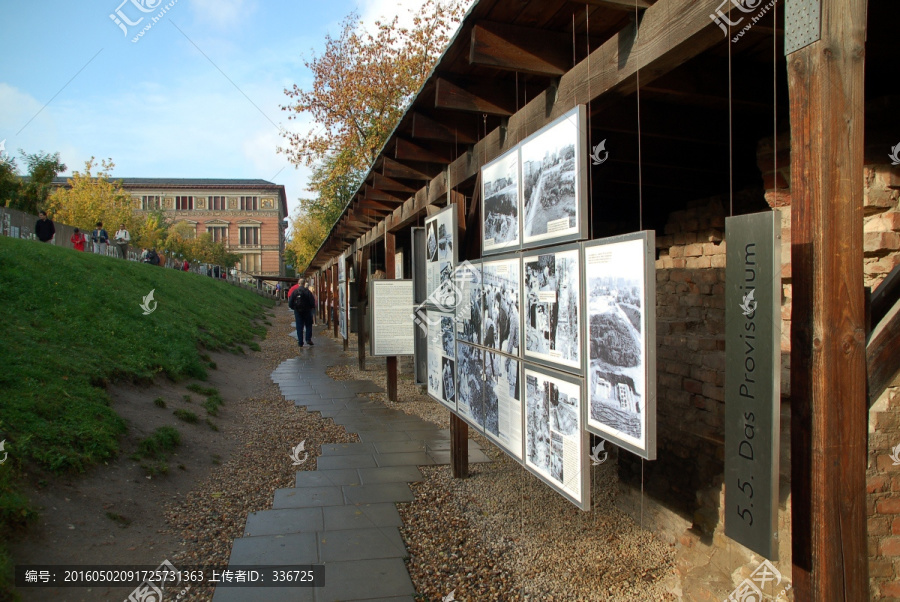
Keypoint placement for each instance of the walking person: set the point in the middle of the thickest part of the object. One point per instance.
(100, 239)
(44, 228)
(122, 239)
(303, 302)
(78, 239)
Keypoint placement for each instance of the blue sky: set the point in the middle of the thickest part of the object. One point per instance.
(198, 95)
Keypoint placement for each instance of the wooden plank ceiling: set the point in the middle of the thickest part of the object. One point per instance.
(504, 55)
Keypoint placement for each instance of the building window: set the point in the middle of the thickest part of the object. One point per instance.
(250, 235)
(217, 203)
(218, 233)
(249, 203)
(184, 203)
(150, 203)
(251, 262)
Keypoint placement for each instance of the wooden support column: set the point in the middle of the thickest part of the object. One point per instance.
(334, 300)
(828, 338)
(390, 272)
(362, 274)
(459, 429)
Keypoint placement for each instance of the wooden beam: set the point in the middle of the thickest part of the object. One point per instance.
(385, 183)
(390, 272)
(426, 128)
(483, 98)
(627, 5)
(334, 300)
(829, 419)
(377, 207)
(395, 169)
(883, 355)
(522, 49)
(375, 194)
(410, 151)
(361, 259)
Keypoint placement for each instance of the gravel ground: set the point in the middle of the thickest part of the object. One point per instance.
(215, 512)
(503, 535)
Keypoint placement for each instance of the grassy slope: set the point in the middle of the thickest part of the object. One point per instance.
(72, 322)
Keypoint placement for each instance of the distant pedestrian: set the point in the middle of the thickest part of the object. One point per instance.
(144, 255)
(303, 302)
(185, 266)
(44, 228)
(122, 239)
(100, 239)
(78, 239)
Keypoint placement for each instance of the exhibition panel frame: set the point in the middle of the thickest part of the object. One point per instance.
(553, 187)
(619, 330)
(501, 286)
(441, 251)
(556, 443)
(442, 357)
(553, 308)
(500, 204)
(391, 306)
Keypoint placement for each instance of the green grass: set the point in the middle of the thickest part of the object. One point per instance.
(187, 399)
(159, 402)
(212, 404)
(201, 390)
(157, 446)
(73, 323)
(186, 415)
(212, 425)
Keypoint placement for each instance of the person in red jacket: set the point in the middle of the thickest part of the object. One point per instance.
(78, 239)
(185, 266)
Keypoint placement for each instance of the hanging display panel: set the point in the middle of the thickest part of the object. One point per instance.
(342, 268)
(620, 331)
(554, 181)
(342, 309)
(440, 259)
(552, 308)
(555, 443)
(500, 204)
(503, 402)
(392, 331)
(470, 384)
(468, 308)
(501, 314)
(442, 357)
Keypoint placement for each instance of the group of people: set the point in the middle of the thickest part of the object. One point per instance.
(302, 301)
(45, 231)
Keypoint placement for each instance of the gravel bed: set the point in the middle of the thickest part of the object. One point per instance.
(211, 516)
(502, 534)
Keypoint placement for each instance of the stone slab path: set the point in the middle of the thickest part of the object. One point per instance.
(343, 514)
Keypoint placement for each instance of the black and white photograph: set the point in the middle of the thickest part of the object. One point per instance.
(553, 176)
(618, 337)
(555, 443)
(440, 231)
(342, 268)
(468, 309)
(500, 322)
(503, 402)
(441, 357)
(500, 209)
(470, 384)
(552, 307)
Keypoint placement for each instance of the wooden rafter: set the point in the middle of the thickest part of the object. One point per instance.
(522, 49)
(406, 150)
(426, 128)
(486, 98)
(395, 169)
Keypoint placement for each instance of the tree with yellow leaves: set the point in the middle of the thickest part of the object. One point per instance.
(90, 197)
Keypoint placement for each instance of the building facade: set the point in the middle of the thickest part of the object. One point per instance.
(247, 215)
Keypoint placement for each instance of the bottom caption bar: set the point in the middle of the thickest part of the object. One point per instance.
(167, 576)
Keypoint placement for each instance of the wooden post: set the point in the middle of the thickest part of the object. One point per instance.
(361, 271)
(390, 272)
(828, 338)
(459, 429)
(334, 300)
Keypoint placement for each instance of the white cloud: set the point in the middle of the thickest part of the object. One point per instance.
(223, 14)
(385, 10)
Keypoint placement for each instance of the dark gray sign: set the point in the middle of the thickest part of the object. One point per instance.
(752, 379)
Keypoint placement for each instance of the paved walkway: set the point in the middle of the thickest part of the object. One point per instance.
(343, 514)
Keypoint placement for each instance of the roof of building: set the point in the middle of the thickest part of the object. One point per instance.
(188, 182)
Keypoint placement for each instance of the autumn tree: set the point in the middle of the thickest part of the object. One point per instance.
(307, 232)
(91, 197)
(362, 83)
(29, 194)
